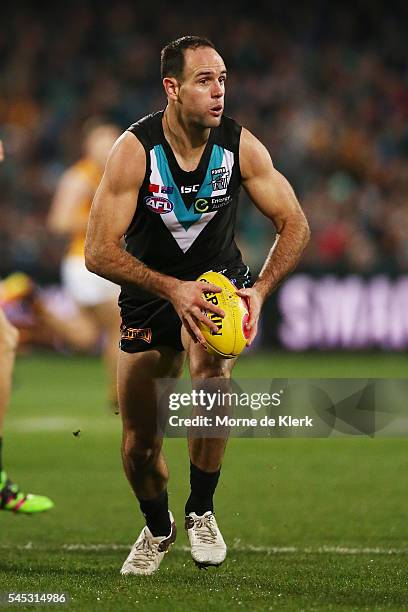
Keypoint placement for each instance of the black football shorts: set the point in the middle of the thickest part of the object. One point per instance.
(148, 323)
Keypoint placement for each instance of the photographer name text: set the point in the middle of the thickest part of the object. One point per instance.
(227, 421)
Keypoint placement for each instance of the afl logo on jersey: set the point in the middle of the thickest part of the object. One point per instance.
(161, 206)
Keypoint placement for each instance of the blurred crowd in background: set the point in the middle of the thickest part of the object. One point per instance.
(324, 87)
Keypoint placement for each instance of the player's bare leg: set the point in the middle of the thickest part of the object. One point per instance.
(11, 498)
(82, 331)
(143, 460)
(206, 455)
(79, 331)
(8, 347)
(107, 317)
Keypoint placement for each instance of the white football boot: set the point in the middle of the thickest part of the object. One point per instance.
(148, 551)
(207, 544)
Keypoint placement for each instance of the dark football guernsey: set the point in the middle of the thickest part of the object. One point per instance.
(183, 226)
(184, 221)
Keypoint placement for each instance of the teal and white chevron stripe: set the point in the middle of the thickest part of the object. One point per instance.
(185, 225)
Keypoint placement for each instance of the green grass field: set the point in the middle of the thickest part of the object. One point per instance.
(311, 524)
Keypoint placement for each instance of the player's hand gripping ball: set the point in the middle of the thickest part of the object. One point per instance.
(231, 338)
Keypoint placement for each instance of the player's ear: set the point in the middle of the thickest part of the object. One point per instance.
(171, 87)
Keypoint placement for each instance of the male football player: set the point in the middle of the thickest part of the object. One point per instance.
(157, 177)
(11, 498)
(95, 297)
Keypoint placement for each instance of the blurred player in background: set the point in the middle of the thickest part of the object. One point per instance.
(11, 498)
(157, 178)
(95, 297)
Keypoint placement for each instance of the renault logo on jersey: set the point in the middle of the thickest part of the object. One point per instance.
(201, 205)
(159, 205)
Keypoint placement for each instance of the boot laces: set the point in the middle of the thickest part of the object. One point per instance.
(143, 553)
(205, 529)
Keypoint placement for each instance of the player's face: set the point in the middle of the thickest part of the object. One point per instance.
(201, 92)
(100, 141)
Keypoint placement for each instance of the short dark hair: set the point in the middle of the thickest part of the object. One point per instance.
(172, 55)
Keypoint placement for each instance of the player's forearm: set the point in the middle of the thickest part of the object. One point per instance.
(68, 227)
(115, 264)
(284, 255)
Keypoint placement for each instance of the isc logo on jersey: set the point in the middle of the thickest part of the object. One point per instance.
(189, 188)
(159, 205)
(230, 340)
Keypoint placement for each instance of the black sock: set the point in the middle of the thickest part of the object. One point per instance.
(156, 512)
(1, 455)
(203, 485)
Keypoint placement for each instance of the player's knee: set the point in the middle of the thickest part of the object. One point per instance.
(9, 338)
(141, 453)
(216, 370)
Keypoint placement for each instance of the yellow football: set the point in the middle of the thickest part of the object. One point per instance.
(230, 340)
